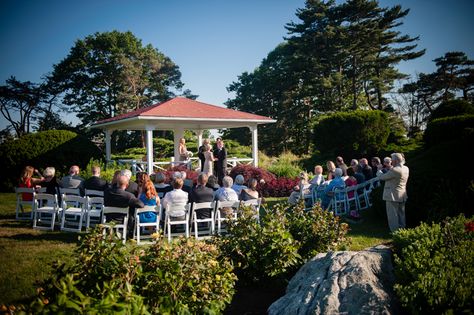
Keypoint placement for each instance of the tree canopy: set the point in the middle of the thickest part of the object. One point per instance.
(110, 73)
(337, 57)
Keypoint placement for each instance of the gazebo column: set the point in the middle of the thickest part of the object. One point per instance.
(254, 132)
(108, 151)
(199, 144)
(149, 149)
(177, 134)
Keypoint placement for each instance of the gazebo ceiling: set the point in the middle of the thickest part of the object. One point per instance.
(182, 112)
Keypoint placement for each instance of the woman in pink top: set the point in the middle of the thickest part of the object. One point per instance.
(350, 181)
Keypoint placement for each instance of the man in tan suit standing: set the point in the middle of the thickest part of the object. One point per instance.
(395, 193)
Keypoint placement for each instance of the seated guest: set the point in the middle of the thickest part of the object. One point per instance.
(357, 171)
(176, 196)
(160, 185)
(115, 178)
(187, 183)
(350, 181)
(226, 193)
(239, 184)
(72, 180)
(28, 181)
(132, 186)
(300, 190)
(331, 168)
(250, 192)
(337, 182)
(375, 163)
(202, 193)
(340, 163)
(95, 182)
(149, 197)
(212, 182)
(117, 196)
(387, 164)
(366, 169)
(50, 181)
(318, 178)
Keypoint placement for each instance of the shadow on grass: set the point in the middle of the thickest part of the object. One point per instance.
(69, 238)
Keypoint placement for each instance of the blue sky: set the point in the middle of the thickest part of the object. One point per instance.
(211, 41)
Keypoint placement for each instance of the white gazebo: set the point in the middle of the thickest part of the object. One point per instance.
(180, 114)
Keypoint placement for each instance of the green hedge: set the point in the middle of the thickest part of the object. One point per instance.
(434, 267)
(449, 128)
(357, 133)
(452, 108)
(58, 148)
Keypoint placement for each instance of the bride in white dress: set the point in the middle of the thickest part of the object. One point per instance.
(209, 160)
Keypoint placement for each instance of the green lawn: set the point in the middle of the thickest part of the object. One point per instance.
(26, 255)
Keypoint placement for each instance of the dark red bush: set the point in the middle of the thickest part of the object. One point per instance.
(278, 187)
(249, 171)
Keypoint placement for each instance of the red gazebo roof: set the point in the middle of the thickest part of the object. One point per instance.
(181, 107)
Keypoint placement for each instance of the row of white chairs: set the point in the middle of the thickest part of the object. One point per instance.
(76, 211)
(21, 214)
(357, 197)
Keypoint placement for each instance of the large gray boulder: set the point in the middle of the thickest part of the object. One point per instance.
(342, 283)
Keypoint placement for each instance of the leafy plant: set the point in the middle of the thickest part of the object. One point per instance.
(316, 230)
(186, 276)
(434, 266)
(285, 165)
(260, 251)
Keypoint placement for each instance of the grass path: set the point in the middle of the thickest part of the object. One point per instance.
(26, 255)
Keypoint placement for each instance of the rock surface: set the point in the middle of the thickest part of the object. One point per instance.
(342, 283)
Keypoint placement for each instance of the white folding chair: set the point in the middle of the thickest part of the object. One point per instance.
(173, 220)
(74, 211)
(352, 201)
(93, 193)
(195, 221)
(138, 224)
(221, 206)
(46, 212)
(362, 195)
(20, 213)
(338, 201)
(70, 191)
(95, 207)
(255, 204)
(116, 225)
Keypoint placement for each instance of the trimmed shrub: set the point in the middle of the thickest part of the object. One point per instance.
(449, 128)
(58, 148)
(184, 277)
(438, 187)
(452, 108)
(434, 267)
(357, 133)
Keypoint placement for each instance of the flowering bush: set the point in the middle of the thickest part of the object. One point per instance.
(434, 266)
(190, 174)
(108, 277)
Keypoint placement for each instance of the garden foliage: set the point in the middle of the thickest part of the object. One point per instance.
(283, 241)
(455, 107)
(449, 128)
(184, 277)
(356, 133)
(58, 148)
(434, 266)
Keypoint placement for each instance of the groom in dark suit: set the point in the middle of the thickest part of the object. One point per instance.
(220, 165)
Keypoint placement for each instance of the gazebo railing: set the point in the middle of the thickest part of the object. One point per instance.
(141, 166)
